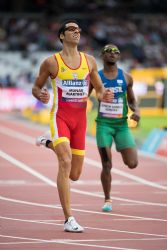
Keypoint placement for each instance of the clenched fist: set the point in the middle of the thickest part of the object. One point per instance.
(135, 116)
(44, 96)
(108, 95)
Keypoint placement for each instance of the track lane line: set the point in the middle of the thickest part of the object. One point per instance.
(81, 210)
(66, 242)
(35, 173)
(51, 183)
(91, 228)
(31, 140)
(89, 138)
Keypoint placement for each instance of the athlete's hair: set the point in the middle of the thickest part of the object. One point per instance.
(63, 27)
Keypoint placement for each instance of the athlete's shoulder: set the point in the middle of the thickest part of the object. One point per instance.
(89, 57)
(128, 77)
(50, 64)
(91, 62)
(49, 60)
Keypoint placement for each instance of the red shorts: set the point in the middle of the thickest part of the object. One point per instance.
(70, 128)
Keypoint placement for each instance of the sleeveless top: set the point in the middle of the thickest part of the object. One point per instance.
(117, 110)
(71, 86)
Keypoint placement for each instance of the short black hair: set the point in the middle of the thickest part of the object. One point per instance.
(63, 26)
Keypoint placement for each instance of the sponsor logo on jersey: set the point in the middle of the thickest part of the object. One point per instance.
(117, 89)
(75, 83)
(75, 75)
(120, 81)
(63, 69)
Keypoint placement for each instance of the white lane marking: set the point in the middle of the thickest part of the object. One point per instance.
(69, 241)
(93, 228)
(91, 240)
(81, 210)
(98, 183)
(66, 242)
(20, 242)
(50, 221)
(29, 203)
(20, 183)
(53, 184)
(129, 204)
(129, 176)
(17, 135)
(92, 162)
(117, 239)
(27, 169)
(160, 192)
(23, 238)
(92, 140)
(119, 199)
(75, 183)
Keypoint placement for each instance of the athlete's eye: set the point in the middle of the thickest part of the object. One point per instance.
(73, 28)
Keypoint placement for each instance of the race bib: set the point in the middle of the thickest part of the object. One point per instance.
(114, 110)
(74, 90)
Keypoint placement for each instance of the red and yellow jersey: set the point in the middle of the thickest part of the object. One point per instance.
(71, 86)
(70, 93)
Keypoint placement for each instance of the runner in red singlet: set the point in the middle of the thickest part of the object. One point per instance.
(71, 72)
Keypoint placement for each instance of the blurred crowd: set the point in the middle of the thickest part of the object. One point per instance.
(142, 39)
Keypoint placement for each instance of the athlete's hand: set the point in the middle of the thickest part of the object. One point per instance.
(135, 116)
(108, 95)
(44, 95)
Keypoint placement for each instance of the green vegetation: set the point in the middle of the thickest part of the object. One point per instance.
(91, 124)
(140, 133)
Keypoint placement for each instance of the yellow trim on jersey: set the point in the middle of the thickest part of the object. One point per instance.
(65, 72)
(52, 111)
(77, 152)
(60, 140)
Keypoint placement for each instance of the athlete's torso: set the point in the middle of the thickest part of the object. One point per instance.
(117, 110)
(70, 87)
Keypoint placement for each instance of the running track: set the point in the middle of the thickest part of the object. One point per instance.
(30, 212)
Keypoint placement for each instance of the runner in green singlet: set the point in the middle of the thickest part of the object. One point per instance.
(111, 121)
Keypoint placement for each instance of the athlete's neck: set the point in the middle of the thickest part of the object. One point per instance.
(110, 70)
(110, 67)
(70, 51)
(71, 57)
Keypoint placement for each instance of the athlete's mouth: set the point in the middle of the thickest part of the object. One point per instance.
(76, 36)
(112, 56)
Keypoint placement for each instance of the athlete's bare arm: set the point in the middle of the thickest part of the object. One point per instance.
(131, 98)
(47, 69)
(101, 92)
(90, 89)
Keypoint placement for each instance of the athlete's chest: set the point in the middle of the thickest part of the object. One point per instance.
(73, 74)
(118, 85)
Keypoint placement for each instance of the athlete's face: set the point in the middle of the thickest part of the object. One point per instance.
(72, 33)
(111, 54)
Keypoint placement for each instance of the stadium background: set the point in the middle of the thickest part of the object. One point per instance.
(28, 34)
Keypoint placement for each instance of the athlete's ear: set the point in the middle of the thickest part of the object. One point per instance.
(62, 36)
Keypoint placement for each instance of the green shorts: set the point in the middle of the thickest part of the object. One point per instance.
(119, 133)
